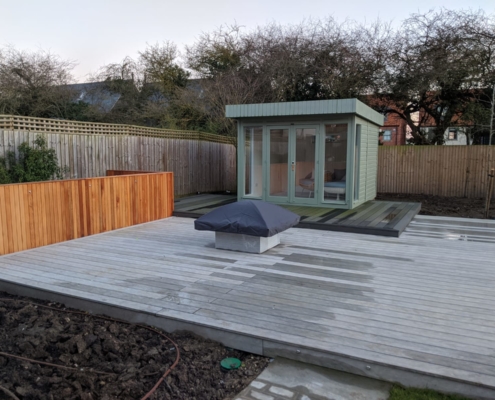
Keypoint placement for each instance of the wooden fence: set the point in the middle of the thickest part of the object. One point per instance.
(457, 171)
(204, 162)
(42, 213)
(198, 165)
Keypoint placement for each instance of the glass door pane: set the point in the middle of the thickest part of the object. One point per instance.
(304, 176)
(335, 162)
(279, 162)
(253, 174)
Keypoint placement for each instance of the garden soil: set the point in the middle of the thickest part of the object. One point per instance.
(108, 359)
(443, 206)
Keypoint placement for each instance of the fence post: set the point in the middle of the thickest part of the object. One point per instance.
(489, 193)
(466, 182)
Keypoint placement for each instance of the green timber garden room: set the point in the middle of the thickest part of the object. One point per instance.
(320, 153)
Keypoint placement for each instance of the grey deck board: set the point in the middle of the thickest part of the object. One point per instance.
(399, 212)
(404, 210)
(367, 341)
(202, 203)
(411, 297)
(437, 272)
(109, 258)
(379, 216)
(402, 224)
(351, 324)
(421, 292)
(436, 328)
(356, 220)
(376, 308)
(253, 271)
(419, 303)
(397, 308)
(439, 282)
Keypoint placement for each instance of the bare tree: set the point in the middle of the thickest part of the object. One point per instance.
(435, 68)
(216, 52)
(160, 65)
(147, 86)
(309, 61)
(33, 84)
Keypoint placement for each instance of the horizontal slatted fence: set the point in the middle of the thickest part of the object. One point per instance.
(456, 171)
(42, 213)
(198, 165)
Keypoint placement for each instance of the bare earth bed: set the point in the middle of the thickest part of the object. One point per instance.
(443, 206)
(107, 359)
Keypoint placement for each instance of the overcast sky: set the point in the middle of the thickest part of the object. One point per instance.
(97, 32)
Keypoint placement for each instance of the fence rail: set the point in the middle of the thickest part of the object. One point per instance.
(456, 171)
(198, 165)
(32, 124)
(42, 213)
(118, 172)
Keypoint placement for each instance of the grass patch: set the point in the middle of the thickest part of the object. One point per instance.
(401, 393)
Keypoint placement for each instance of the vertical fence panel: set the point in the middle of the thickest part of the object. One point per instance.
(3, 225)
(9, 231)
(456, 171)
(199, 166)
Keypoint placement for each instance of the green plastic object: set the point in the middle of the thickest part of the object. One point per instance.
(230, 363)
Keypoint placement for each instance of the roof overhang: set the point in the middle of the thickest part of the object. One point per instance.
(299, 108)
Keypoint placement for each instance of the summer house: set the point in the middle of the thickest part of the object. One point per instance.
(312, 153)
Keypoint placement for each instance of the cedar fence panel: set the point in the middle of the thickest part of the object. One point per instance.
(42, 213)
(198, 165)
(456, 171)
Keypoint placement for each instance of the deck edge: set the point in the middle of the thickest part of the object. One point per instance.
(266, 347)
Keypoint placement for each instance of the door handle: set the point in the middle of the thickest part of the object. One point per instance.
(293, 165)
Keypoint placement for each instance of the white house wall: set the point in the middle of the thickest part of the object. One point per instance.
(461, 138)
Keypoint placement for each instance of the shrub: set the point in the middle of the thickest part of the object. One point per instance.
(4, 173)
(33, 164)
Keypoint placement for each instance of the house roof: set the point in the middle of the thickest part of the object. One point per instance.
(95, 93)
(297, 108)
(152, 92)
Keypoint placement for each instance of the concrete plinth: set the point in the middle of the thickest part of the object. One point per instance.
(245, 243)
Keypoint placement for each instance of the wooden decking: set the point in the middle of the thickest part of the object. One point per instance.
(415, 310)
(384, 218)
(465, 229)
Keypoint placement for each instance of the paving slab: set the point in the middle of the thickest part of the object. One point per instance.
(291, 380)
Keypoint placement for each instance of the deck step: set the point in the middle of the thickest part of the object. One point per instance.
(382, 218)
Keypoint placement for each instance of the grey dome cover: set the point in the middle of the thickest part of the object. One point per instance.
(248, 217)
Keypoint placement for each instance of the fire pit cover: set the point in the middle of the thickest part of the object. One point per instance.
(248, 217)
